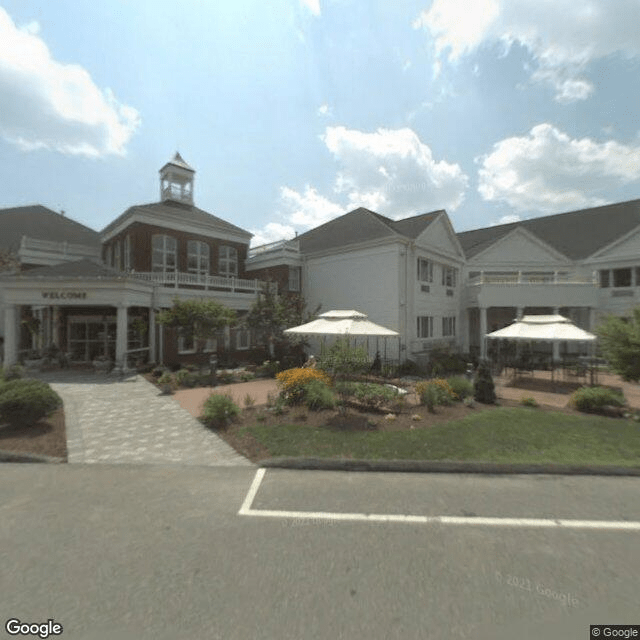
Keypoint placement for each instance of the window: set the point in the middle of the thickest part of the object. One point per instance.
(109, 257)
(210, 345)
(164, 254)
(294, 278)
(637, 276)
(604, 278)
(622, 277)
(243, 338)
(186, 344)
(425, 270)
(425, 326)
(449, 326)
(449, 276)
(127, 253)
(228, 262)
(198, 257)
(117, 263)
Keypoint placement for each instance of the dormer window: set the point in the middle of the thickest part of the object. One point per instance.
(164, 256)
(228, 261)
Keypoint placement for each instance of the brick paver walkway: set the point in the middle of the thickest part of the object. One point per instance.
(129, 421)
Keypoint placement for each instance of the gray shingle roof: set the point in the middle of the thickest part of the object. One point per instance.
(77, 269)
(36, 221)
(182, 213)
(361, 225)
(577, 234)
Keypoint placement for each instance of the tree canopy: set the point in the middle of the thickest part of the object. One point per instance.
(197, 319)
(620, 344)
(271, 314)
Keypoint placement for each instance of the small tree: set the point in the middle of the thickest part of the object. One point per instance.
(199, 320)
(271, 314)
(484, 388)
(620, 344)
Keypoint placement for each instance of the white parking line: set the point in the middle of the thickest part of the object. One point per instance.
(247, 510)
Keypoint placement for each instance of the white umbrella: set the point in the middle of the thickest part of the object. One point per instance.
(544, 328)
(339, 322)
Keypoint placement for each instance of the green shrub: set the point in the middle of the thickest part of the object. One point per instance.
(165, 378)
(219, 410)
(225, 377)
(319, 396)
(26, 401)
(484, 388)
(435, 392)
(409, 368)
(593, 399)
(528, 401)
(443, 361)
(181, 376)
(14, 372)
(461, 387)
(246, 376)
(374, 395)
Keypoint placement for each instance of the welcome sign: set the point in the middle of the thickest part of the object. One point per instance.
(64, 295)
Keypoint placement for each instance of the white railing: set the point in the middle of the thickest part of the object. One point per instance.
(65, 248)
(287, 246)
(217, 283)
(524, 278)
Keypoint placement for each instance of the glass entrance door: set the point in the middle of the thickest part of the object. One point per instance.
(89, 337)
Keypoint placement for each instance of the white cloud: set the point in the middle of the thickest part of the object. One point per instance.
(507, 219)
(391, 171)
(388, 171)
(45, 104)
(272, 232)
(562, 35)
(548, 171)
(309, 209)
(324, 110)
(312, 5)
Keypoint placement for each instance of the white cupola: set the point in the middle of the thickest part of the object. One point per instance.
(176, 181)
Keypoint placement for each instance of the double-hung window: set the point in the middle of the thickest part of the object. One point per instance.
(198, 257)
(228, 261)
(117, 262)
(425, 270)
(127, 253)
(164, 256)
(294, 278)
(449, 276)
(449, 326)
(425, 326)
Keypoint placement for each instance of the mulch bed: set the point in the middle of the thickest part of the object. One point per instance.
(46, 437)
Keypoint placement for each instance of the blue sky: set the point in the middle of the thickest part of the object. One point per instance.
(295, 111)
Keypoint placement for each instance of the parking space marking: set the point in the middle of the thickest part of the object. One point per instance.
(247, 510)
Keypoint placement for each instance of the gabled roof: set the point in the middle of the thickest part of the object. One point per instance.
(577, 234)
(362, 225)
(77, 269)
(179, 162)
(41, 223)
(181, 212)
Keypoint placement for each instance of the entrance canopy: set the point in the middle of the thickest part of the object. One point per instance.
(340, 322)
(543, 328)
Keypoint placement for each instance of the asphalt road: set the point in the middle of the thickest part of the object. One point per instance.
(161, 552)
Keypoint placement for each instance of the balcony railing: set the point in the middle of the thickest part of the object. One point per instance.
(213, 283)
(524, 278)
(287, 246)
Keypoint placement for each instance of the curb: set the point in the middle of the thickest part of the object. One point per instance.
(10, 456)
(427, 466)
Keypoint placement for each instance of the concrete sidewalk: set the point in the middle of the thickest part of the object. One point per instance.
(129, 421)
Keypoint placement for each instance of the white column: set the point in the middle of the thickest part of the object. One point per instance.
(592, 319)
(121, 335)
(483, 332)
(10, 335)
(152, 335)
(556, 344)
(519, 313)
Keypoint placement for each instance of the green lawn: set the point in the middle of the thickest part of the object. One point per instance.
(503, 435)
